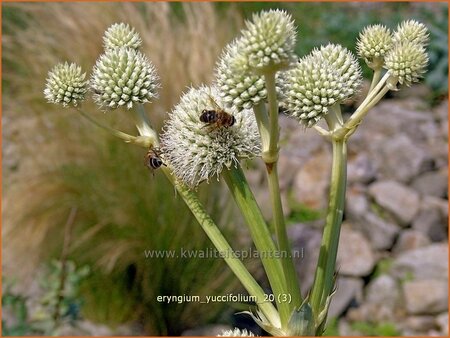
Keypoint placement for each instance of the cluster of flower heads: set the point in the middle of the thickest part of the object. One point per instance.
(236, 333)
(197, 151)
(267, 42)
(402, 53)
(122, 76)
(329, 75)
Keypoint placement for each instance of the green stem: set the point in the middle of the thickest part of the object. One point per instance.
(324, 276)
(262, 121)
(240, 190)
(143, 141)
(219, 241)
(287, 263)
(375, 79)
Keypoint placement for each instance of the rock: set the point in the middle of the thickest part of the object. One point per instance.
(287, 169)
(433, 183)
(306, 240)
(356, 203)
(311, 182)
(410, 240)
(442, 323)
(360, 168)
(383, 290)
(419, 324)
(208, 330)
(396, 198)
(263, 198)
(382, 233)
(431, 223)
(429, 202)
(348, 289)
(401, 158)
(355, 256)
(430, 262)
(426, 296)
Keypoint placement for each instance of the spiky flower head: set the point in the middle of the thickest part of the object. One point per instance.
(236, 333)
(373, 44)
(123, 77)
(121, 35)
(197, 151)
(346, 65)
(238, 86)
(269, 40)
(407, 62)
(66, 84)
(412, 31)
(311, 88)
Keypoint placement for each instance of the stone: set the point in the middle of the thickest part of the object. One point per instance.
(348, 289)
(356, 202)
(288, 167)
(429, 262)
(400, 200)
(442, 323)
(431, 223)
(429, 202)
(426, 296)
(306, 241)
(355, 256)
(312, 181)
(382, 233)
(360, 169)
(401, 158)
(410, 240)
(433, 183)
(383, 290)
(419, 324)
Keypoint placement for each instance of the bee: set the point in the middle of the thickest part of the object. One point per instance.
(217, 117)
(153, 159)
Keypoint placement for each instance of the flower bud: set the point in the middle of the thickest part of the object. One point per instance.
(238, 86)
(66, 84)
(123, 76)
(197, 150)
(236, 333)
(269, 40)
(407, 62)
(412, 31)
(346, 65)
(121, 35)
(311, 88)
(373, 44)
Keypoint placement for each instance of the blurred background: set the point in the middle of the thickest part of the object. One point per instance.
(80, 209)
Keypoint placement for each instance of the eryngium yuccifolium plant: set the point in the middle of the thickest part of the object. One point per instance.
(373, 44)
(66, 84)
(236, 333)
(346, 65)
(412, 31)
(196, 151)
(311, 88)
(269, 40)
(238, 86)
(121, 35)
(123, 77)
(407, 62)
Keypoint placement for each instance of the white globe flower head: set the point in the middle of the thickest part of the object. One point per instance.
(196, 150)
(407, 62)
(311, 88)
(373, 44)
(66, 85)
(269, 40)
(236, 333)
(121, 35)
(238, 86)
(123, 77)
(412, 31)
(346, 65)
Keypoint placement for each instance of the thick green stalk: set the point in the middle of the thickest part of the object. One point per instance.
(290, 274)
(221, 244)
(240, 190)
(324, 276)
